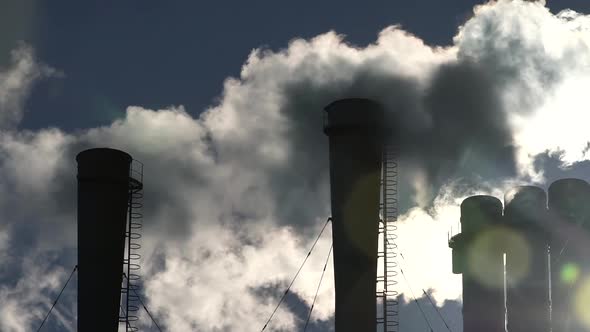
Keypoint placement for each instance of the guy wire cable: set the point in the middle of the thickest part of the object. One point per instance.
(57, 299)
(318, 289)
(296, 274)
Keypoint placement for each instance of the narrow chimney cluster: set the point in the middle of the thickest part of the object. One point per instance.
(522, 262)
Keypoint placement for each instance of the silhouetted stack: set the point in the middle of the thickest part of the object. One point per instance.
(546, 244)
(103, 196)
(480, 259)
(527, 267)
(355, 128)
(569, 206)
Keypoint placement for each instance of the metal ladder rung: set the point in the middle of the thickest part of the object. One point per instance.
(388, 206)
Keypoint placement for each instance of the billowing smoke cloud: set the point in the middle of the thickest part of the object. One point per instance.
(235, 196)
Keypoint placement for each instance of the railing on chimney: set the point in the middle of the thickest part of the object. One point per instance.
(387, 293)
(130, 297)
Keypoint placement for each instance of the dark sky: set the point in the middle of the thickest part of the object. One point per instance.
(160, 53)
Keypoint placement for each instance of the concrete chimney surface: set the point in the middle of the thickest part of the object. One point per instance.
(527, 278)
(569, 212)
(478, 256)
(103, 182)
(354, 127)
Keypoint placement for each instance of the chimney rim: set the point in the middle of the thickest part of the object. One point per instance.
(102, 150)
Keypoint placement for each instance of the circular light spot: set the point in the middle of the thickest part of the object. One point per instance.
(518, 257)
(485, 256)
(360, 218)
(569, 273)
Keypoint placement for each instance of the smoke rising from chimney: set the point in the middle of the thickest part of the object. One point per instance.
(221, 186)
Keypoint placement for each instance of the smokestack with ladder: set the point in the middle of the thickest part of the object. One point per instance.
(356, 131)
(103, 197)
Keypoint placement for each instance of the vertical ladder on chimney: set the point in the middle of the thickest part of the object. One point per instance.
(131, 278)
(387, 294)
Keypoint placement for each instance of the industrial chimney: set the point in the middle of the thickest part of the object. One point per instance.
(527, 270)
(532, 226)
(570, 211)
(356, 131)
(103, 196)
(478, 255)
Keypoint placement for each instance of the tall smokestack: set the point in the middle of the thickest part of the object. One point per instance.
(478, 255)
(103, 179)
(527, 270)
(355, 128)
(570, 211)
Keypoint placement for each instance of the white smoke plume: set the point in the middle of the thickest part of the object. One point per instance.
(16, 83)
(235, 196)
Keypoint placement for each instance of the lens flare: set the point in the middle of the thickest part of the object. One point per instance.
(582, 302)
(486, 253)
(570, 272)
(362, 229)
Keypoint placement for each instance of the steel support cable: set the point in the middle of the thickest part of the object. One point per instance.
(318, 289)
(415, 300)
(437, 310)
(296, 275)
(432, 302)
(143, 305)
(128, 325)
(414, 296)
(57, 299)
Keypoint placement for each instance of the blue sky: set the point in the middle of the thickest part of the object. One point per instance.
(236, 166)
(157, 54)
